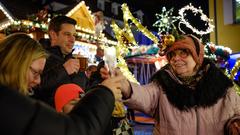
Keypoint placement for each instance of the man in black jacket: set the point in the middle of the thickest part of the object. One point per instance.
(21, 115)
(61, 67)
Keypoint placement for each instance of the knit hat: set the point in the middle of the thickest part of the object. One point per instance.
(65, 93)
(191, 43)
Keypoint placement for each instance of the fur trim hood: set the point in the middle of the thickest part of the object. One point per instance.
(209, 89)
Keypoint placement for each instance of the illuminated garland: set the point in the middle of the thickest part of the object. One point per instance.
(234, 70)
(25, 26)
(233, 74)
(126, 39)
(212, 51)
(122, 49)
(127, 15)
(195, 11)
(9, 21)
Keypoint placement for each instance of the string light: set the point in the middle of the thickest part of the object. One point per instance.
(10, 19)
(211, 50)
(72, 13)
(165, 20)
(203, 17)
(127, 15)
(126, 34)
(234, 70)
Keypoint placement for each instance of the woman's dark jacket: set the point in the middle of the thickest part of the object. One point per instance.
(21, 115)
(54, 75)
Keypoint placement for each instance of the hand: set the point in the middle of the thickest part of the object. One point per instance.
(104, 72)
(71, 66)
(114, 84)
(125, 85)
(233, 127)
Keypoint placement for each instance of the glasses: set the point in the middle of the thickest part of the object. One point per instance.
(183, 53)
(36, 74)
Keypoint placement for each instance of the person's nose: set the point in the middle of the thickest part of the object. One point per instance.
(37, 81)
(72, 38)
(176, 57)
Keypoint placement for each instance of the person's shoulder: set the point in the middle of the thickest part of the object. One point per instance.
(54, 51)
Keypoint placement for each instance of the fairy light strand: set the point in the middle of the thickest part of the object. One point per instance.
(122, 47)
(203, 17)
(10, 20)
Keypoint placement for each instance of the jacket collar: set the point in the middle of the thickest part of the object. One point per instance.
(57, 51)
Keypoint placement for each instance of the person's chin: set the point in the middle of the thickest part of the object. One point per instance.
(181, 73)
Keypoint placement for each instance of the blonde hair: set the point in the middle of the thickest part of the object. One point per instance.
(17, 52)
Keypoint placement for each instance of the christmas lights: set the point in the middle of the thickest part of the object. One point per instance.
(212, 51)
(126, 39)
(234, 70)
(165, 20)
(203, 17)
(90, 17)
(127, 15)
(9, 21)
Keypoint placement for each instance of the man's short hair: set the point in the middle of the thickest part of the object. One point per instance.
(56, 22)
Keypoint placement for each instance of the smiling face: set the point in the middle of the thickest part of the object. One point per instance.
(34, 72)
(182, 62)
(65, 38)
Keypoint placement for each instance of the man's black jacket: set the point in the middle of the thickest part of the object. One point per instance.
(21, 115)
(54, 75)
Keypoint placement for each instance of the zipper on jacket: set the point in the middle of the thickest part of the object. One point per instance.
(197, 119)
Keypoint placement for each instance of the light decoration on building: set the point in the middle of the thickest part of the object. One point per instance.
(10, 20)
(84, 29)
(71, 12)
(74, 10)
(196, 11)
(165, 20)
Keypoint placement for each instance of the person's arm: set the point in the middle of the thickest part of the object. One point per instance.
(53, 76)
(232, 126)
(23, 116)
(143, 98)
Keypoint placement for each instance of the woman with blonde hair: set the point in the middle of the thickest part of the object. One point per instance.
(17, 53)
(22, 59)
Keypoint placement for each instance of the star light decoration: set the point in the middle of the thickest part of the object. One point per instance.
(196, 11)
(126, 39)
(165, 20)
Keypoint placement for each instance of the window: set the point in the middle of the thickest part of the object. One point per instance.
(236, 11)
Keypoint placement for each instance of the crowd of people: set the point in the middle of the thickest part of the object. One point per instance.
(44, 92)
